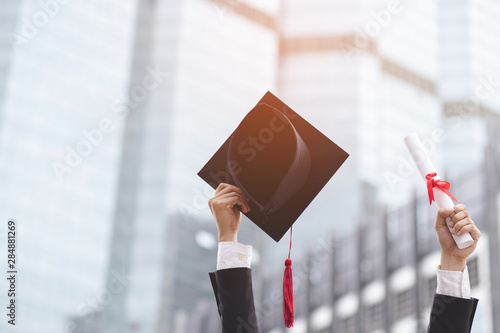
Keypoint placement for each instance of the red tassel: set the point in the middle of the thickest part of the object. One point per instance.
(288, 294)
(288, 289)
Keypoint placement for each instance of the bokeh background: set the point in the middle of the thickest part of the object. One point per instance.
(108, 109)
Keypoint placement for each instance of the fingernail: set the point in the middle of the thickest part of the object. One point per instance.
(452, 230)
(450, 224)
(459, 233)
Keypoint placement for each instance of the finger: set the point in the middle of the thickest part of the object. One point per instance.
(228, 188)
(218, 191)
(459, 225)
(457, 217)
(234, 199)
(242, 201)
(442, 214)
(238, 200)
(229, 192)
(224, 203)
(472, 229)
(460, 207)
(221, 187)
(474, 232)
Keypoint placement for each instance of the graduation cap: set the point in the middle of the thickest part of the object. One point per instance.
(280, 161)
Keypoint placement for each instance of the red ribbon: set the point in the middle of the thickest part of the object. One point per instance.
(440, 184)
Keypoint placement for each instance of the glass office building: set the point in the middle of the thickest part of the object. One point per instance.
(217, 60)
(364, 74)
(99, 214)
(63, 65)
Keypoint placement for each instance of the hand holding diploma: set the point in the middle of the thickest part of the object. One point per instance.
(459, 221)
(438, 189)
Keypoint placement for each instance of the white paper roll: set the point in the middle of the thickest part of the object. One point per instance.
(425, 166)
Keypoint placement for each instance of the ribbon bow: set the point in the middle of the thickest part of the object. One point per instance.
(440, 184)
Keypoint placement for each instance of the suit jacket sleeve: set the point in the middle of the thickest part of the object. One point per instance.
(234, 296)
(451, 314)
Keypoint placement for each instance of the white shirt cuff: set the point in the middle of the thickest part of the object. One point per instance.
(233, 255)
(453, 283)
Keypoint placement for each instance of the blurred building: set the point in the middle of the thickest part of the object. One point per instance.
(469, 80)
(366, 80)
(216, 59)
(63, 64)
(364, 74)
(191, 249)
(8, 20)
(175, 78)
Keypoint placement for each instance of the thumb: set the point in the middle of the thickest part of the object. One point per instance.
(442, 214)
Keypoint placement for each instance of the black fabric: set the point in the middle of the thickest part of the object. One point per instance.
(451, 314)
(234, 296)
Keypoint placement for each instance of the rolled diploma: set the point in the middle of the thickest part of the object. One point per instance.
(425, 166)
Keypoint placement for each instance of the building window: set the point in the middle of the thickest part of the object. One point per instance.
(369, 193)
(375, 318)
(405, 301)
(472, 267)
(348, 325)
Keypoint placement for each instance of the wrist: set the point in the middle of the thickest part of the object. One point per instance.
(228, 237)
(452, 263)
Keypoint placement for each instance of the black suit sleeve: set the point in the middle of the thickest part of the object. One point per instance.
(234, 296)
(451, 314)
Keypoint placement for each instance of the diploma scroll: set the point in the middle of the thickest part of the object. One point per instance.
(425, 167)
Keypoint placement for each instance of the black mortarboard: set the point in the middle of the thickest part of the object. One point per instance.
(278, 160)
